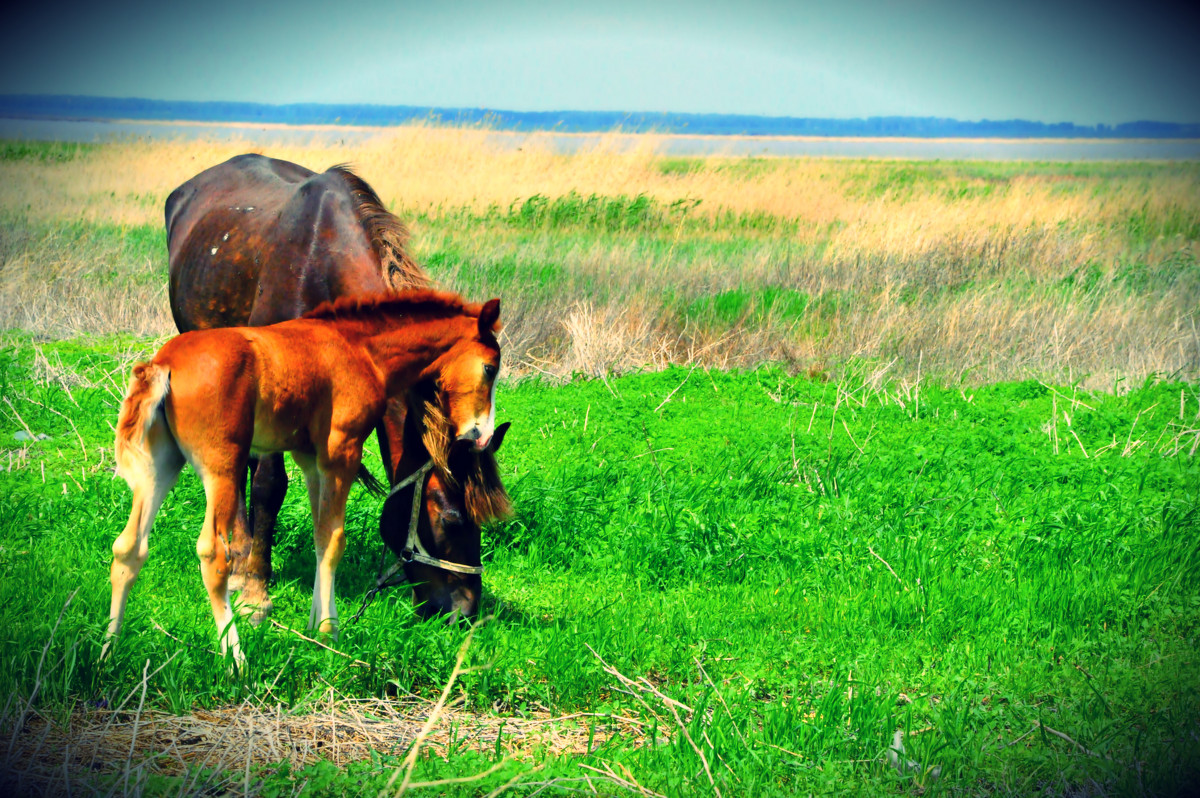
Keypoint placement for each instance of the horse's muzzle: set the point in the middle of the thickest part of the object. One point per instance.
(476, 437)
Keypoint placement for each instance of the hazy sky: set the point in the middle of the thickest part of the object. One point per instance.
(1047, 61)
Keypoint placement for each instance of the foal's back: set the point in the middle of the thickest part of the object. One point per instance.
(268, 389)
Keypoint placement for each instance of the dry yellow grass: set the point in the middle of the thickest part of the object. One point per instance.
(65, 756)
(966, 268)
(420, 168)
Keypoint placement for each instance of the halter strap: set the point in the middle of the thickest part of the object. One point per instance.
(413, 550)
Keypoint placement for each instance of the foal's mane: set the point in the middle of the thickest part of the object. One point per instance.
(416, 302)
(387, 234)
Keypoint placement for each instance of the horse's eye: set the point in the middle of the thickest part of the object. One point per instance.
(489, 371)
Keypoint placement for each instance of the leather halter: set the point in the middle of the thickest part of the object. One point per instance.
(413, 551)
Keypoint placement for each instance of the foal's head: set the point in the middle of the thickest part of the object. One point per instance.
(413, 326)
(466, 379)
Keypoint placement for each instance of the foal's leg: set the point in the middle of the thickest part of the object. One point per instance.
(150, 478)
(267, 490)
(312, 481)
(225, 511)
(328, 488)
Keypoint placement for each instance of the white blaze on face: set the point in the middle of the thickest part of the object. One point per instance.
(490, 424)
(483, 426)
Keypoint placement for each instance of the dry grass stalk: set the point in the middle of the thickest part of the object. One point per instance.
(414, 750)
(625, 779)
(644, 692)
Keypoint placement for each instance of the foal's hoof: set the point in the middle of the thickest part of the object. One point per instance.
(326, 630)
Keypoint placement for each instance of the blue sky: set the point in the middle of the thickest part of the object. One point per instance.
(1047, 61)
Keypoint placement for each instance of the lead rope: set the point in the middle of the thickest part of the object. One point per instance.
(413, 550)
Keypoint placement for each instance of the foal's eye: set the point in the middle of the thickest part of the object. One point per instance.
(489, 371)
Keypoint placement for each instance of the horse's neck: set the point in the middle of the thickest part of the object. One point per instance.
(404, 352)
(413, 452)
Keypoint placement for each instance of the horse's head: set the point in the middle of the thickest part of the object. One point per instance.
(461, 492)
(466, 379)
(442, 441)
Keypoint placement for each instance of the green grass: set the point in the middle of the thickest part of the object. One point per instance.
(948, 179)
(44, 151)
(743, 525)
(956, 180)
(595, 213)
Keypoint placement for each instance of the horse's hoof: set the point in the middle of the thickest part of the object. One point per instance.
(255, 606)
(326, 630)
(260, 613)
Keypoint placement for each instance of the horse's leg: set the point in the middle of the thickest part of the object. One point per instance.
(312, 480)
(267, 490)
(224, 488)
(150, 478)
(332, 482)
(239, 548)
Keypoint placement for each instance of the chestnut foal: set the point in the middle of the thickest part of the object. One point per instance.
(316, 387)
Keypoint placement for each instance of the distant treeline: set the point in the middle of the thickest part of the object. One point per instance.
(74, 107)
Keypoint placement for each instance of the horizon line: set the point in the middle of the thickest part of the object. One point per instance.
(1164, 129)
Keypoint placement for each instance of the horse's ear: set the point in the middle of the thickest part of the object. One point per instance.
(498, 435)
(489, 317)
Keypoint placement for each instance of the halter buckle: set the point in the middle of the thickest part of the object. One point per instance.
(413, 551)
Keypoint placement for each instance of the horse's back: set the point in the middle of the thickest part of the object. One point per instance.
(257, 240)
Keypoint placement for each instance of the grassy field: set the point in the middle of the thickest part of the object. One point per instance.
(879, 447)
(807, 566)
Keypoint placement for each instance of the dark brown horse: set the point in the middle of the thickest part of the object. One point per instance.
(255, 241)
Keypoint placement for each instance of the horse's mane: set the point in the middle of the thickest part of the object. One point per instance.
(483, 492)
(387, 234)
(415, 302)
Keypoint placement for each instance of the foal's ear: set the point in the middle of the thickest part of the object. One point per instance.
(489, 317)
(498, 435)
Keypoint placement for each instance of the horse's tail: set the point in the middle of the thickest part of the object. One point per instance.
(370, 482)
(147, 389)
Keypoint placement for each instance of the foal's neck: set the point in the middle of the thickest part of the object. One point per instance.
(404, 352)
